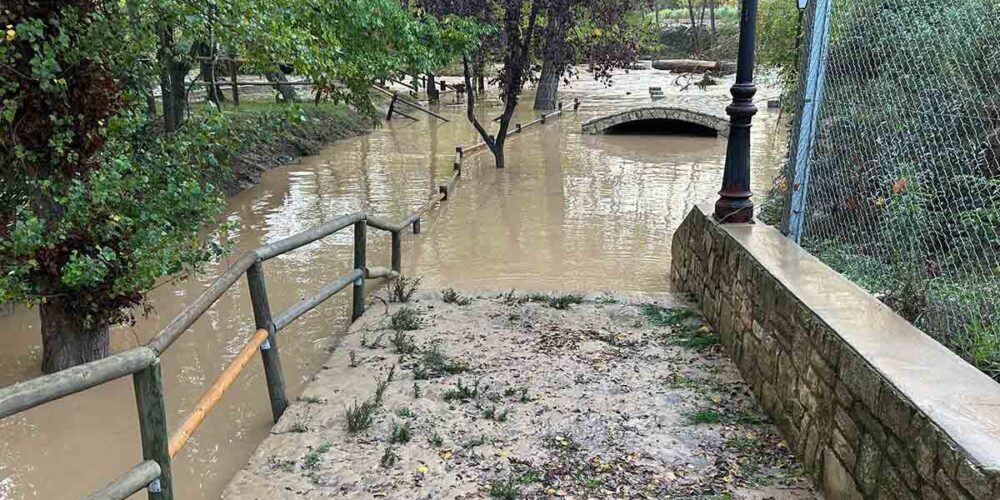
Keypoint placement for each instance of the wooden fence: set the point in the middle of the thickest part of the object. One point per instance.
(143, 363)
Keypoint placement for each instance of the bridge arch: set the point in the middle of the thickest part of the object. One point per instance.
(674, 115)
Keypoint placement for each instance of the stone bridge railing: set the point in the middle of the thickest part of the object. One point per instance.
(871, 405)
(703, 117)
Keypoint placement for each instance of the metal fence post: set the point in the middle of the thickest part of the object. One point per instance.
(358, 298)
(812, 98)
(269, 353)
(148, 385)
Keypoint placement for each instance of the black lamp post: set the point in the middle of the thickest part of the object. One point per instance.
(734, 203)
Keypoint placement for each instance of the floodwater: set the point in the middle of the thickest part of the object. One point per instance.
(570, 212)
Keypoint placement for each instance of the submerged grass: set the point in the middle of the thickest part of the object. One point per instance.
(657, 315)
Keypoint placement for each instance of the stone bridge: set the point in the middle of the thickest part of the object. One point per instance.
(698, 116)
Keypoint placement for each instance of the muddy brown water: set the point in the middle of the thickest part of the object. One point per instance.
(570, 212)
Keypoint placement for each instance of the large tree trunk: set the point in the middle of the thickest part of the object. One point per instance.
(172, 86)
(553, 58)
(286, 92)
(66, 341)
(208, 69)
(548, 87)
(498, 156)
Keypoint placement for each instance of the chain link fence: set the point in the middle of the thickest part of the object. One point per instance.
(902, 180)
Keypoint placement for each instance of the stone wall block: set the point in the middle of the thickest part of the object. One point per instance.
(896, 413)
(974, 480)
(949, 488)
(902, 463)
(844, 449)
(862, 381)
(869, 464)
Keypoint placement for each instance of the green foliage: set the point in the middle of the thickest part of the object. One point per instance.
(359, 415)
(506, 489)
(704, 416)
(96, 206)
(401, 433)
(314, 455)
(402, 288)
(403, 343)
(462, 392)
(406, 319)
(778, 26)
(564, 301)
(435, 363)
(699, 339)
(660, 316)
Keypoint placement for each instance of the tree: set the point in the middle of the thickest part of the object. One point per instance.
(96, 203)
(599, 32)
(84, 230)
(517, 40)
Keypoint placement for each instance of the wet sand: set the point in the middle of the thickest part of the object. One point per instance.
(550, 399)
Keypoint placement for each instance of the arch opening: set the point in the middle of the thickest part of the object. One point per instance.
(662, 126)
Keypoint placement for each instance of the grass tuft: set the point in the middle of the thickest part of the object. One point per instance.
(661, 316)
(704, 416)
(389, 457)
(462, 392)
(402, 288)
(403, 343)
(313, 456)
(698, 339)
(405, 319)
(505, 489)
(359, 415)
(453, 297)
(401, 433)
(564, 301)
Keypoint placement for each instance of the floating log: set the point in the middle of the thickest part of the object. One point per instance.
(693, 66)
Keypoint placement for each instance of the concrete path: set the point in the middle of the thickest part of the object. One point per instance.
(524, 396)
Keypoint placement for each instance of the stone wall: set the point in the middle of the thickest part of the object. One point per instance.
(872, 406)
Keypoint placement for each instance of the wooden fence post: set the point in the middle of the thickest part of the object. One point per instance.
(392, 105)
(234, 67)
(397, 252)
(269, 354)
(148, 385)
(358, 298)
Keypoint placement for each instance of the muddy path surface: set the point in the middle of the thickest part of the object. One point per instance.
(512, 395)
(570, 212)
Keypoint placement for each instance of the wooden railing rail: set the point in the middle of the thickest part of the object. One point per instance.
(130, 482)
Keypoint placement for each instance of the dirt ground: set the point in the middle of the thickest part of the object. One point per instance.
(525, 396)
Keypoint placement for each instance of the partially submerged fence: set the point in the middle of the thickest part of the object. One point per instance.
(143, 363)
(894, 171)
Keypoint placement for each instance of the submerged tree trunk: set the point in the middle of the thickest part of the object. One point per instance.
(548, 87)
(553, 57)
(286, 92)
(66, 341)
